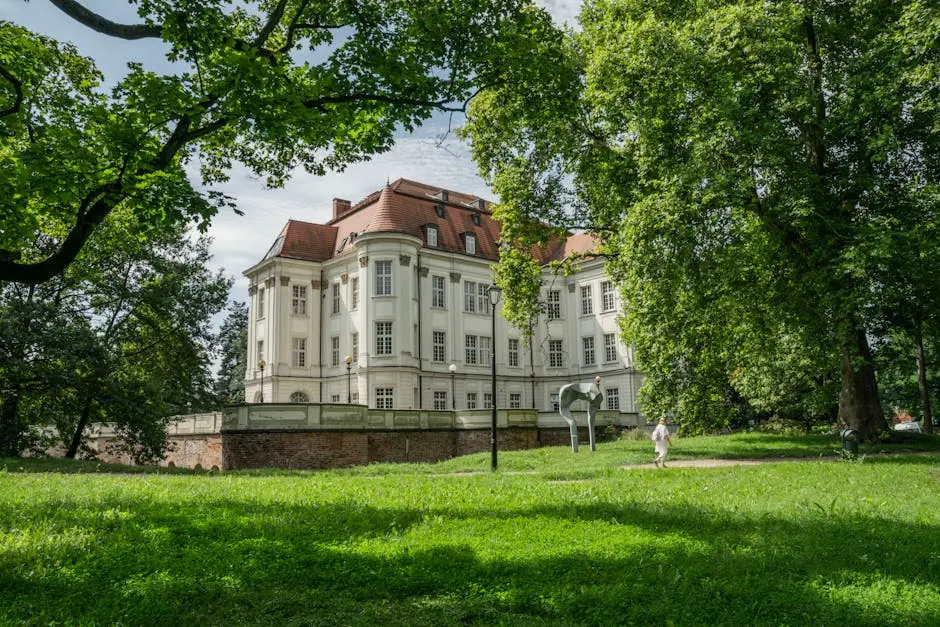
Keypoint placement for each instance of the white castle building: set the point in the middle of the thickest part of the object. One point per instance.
(388, 305)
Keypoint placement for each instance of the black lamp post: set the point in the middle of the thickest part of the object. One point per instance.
(494, 293)
(453, 387)
(348, 361)
(261, 367)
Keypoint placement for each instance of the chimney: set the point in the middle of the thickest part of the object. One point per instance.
(340, 207)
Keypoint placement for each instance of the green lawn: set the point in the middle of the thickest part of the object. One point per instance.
(553, 538)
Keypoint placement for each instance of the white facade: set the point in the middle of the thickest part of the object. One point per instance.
(403, 312)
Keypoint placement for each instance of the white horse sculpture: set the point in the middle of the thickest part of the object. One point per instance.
(572, 392)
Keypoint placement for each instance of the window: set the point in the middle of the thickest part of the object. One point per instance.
(334, 398)
(487, 400)
(613, 398)
(298, 303)
(485, 350)
(260, 303)
(383, 338)
(554, 304)
(354, 297)
(335, 309)
(355, 397)
(483, 298)
(334, 351)
(299, 397)
(438, 341)
(437, 292)
(512, 357)
(515, 400)
(587, 344)
(354, 344)
(610, 347)
(471, 400)
(440, 401)
(554, 400)
(432, 236)
(470, 350)
(469, 296)
(384, 398)
(383, 278)
(587, 303)
(555, 356)
(470, 242)
(299, 352)
(607, 296)
(260, 347)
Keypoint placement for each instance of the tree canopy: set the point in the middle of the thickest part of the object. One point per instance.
(740, 161)
(273, 84)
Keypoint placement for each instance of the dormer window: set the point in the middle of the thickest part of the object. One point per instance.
(476, 218)
(444, 195)
(431, 234)
(470, 243)
(342, 245)
(439, 209)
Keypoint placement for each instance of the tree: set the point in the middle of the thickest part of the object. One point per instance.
(233, 346)
(122, 337)
(275, 85)
(733, 157)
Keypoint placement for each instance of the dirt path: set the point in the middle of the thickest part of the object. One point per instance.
(718, 463)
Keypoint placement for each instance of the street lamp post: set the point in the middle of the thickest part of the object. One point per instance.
(453, 387)
(348, 361)
(494, 293)
(261, 367)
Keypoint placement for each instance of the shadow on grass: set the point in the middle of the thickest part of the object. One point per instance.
(137, 561)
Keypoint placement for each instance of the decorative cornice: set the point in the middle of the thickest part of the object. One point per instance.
(252, 290)
(571, 288)
(404, 260)
(455, 277)
(285, 280)
(364, 261)
(424, 270)
(317, 284)
(344, 277)
(269, 282)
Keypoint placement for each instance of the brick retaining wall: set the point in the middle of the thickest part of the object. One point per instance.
(335, 449)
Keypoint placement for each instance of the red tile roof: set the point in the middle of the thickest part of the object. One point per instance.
(409, 207)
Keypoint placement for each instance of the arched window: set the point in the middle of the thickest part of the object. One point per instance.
(257, 397)
(299, 397)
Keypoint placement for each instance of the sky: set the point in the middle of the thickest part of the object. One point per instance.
(429, 154)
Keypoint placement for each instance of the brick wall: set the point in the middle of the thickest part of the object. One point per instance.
(336, 449)
(323, 449)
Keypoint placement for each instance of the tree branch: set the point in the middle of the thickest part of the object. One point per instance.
(92, 20)
(17, 88)
(319, 103)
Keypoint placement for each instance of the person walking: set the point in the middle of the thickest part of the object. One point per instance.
(661, 441)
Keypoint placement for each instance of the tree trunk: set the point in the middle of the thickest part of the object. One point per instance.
(922, 379)
(859, 406)
(79, 429)
(9, 424)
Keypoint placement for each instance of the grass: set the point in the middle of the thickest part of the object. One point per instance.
(551, 539)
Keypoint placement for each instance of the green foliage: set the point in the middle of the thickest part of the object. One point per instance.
(274, 86)
(123, 337)
(698, 546)
(748, 167)
(233, 348)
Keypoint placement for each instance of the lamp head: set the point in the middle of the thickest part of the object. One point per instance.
(348, 360)
(495, 291)
(452, 368)
(261, 365)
